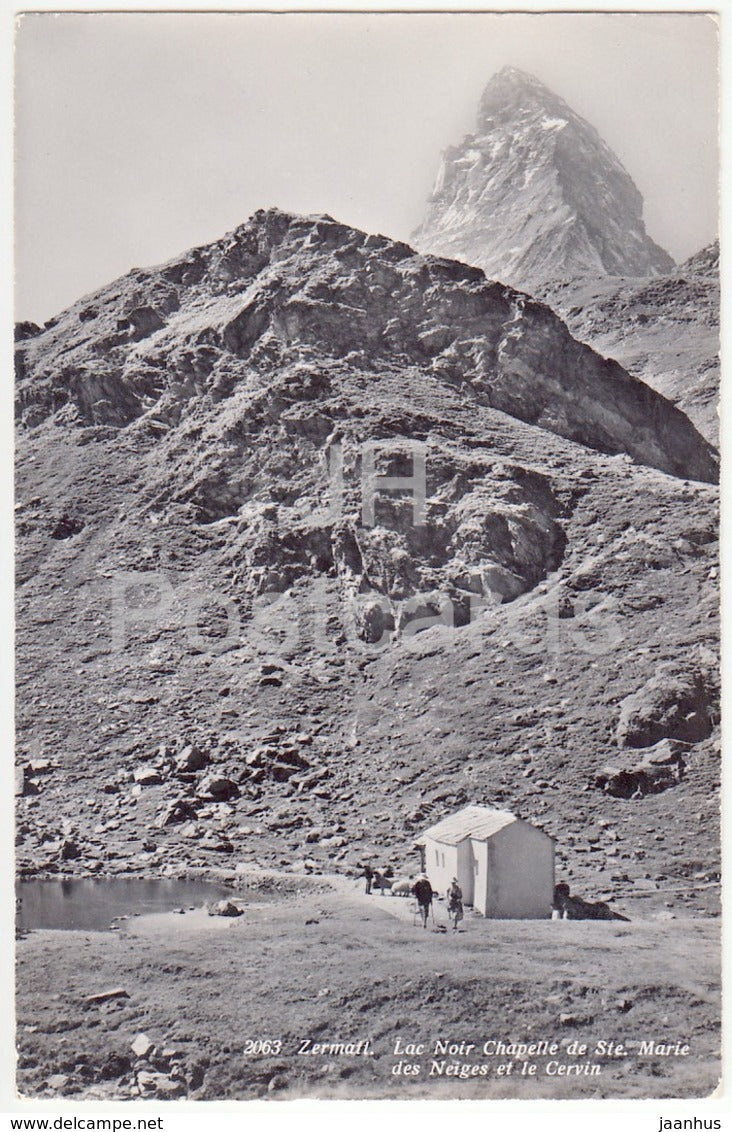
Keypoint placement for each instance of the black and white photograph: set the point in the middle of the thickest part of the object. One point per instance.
(367, 658)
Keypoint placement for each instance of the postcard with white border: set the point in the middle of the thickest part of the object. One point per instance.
(366, 518)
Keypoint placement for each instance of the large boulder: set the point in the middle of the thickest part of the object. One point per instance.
(142, 1046)
(24, 782)
(635, 773)
(374, 621)
(568, 907)
(675, 703)
(70, 850)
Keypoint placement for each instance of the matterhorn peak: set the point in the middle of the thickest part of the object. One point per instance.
(535, 194)
(511, 82)
(512, 91)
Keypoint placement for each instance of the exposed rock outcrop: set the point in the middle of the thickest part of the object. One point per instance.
(648, 770)
(676, 703)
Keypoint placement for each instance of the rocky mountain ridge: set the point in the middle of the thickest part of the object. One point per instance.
(664, 329)
(535, 194)
(283, 290)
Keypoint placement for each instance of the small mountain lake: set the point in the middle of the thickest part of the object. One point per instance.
(91, 904)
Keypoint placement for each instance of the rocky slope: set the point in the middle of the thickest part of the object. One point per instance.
(664, 330)
(536, 194)
(218, 646)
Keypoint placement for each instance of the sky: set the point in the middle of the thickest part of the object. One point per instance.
(141, 135)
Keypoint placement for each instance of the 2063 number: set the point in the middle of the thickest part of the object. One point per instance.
(262, 1047)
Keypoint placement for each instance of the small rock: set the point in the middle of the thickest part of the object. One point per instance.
(191, 759)
(107, 995)
(115, 1065)
(57, 1081)
(645, 884)
(216, 844)
(142, 1046)
(147, 776)
(159, 1084)
(179, 810)
(40, 766)
(66, 527)
(219, 788)
(70, 851)
(226, 908)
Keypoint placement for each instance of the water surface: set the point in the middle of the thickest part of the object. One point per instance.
(91, 904)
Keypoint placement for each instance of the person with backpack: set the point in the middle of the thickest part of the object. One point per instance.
(423, 892)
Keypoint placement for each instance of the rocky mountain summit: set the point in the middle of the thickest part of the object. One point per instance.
(535, 194)
(319, 538)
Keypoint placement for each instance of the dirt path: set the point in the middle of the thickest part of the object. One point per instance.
(403, 908)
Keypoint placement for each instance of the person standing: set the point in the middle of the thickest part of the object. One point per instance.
(561, 902)
(368, 872)
(423, 892)
(455, 903)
